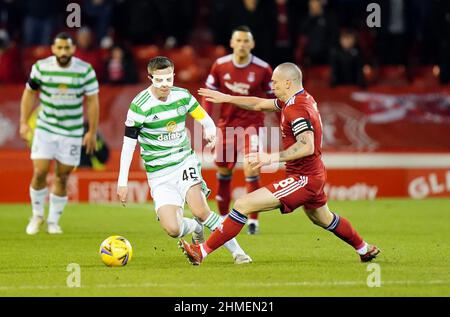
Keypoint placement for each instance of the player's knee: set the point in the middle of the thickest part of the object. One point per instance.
(40, 175)
(243, 206)
(62, 178)
(319, 221)
(172, 231)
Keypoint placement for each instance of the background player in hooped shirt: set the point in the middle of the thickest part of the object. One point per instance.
(156, 119)
(301, 129)
(63, 82)
(240, 74)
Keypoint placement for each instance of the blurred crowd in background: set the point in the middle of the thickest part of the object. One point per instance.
(329, 39)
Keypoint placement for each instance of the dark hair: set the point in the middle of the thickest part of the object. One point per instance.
(63, 36)
(241, 28)
(159, 62)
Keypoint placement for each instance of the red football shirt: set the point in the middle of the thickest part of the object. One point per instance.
(251, 79)
(300, 114)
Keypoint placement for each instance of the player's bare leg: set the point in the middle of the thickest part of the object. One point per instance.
(171, 218)
(40, 172)
(62, 173)
(223, 196)
(38, 194)
(58, 197)
(343, 229)
(259, 200)
(200, 209)
(196, 201)
(252, 184)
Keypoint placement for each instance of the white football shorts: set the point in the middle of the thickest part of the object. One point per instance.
(171, 188)
(49, 146)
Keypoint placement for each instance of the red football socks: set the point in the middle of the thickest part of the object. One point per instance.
(223, 196)
(252, 184)
(230, 228)
(343, 229)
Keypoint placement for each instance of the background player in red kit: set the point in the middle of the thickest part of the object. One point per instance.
(240, 74)
(301, 129)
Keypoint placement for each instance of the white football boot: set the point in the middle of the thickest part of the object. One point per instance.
(34, 225)
(53, 228)
(242, 259)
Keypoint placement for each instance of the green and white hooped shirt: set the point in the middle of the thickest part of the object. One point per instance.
(61, 94)
(162, 136)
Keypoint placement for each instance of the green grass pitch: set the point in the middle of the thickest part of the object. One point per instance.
(292, 257)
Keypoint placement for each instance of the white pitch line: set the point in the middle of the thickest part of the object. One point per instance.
(274, 284)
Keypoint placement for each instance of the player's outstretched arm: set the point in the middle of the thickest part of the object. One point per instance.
(247, 103)
(126, 156)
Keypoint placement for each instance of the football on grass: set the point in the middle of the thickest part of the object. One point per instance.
(116, 251)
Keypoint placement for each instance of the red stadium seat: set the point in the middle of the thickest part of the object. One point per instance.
(392, 75)
(207, 55)
(425, 76)
(33, 53)
(317, 76)
(142, 55)
(212, 52)
(182, 57)
(185, 60)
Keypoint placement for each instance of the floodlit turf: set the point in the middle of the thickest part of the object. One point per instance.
(291, 256)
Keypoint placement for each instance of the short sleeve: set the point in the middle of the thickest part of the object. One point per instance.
(300, 120)
(90, 82)
(212, 81)
(135, 117)
(193, 103)
(278, 103)
(35, 80)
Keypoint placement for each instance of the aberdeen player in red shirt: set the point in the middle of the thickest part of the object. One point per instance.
(239, 74)
(303, 185)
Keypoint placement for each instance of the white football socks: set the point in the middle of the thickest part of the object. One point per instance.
(363, 250)
(188, 226)
(38, 201)
(212, 222)
(57, 204)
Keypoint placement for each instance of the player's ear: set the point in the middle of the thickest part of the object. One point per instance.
(287, 84)
(73, 49)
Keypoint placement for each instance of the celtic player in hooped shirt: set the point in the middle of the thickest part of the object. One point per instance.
(63, 82)
(156, 120)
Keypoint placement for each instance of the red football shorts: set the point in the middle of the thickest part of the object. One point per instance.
(234, 141)
(298, 190)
